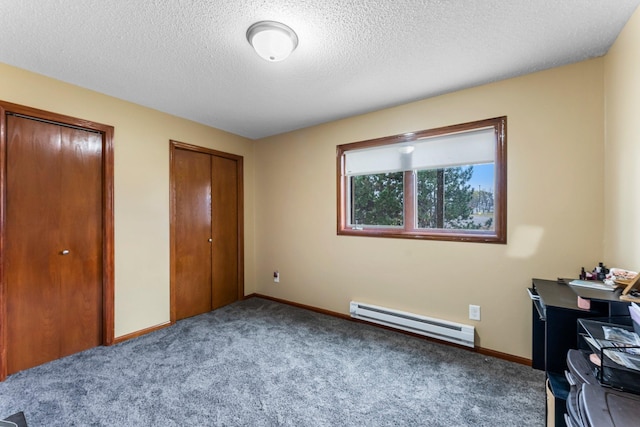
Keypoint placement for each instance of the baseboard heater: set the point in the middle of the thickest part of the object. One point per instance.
(435, 328)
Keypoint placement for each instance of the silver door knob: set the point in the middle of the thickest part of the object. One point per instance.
(65, 252)
(210, 240)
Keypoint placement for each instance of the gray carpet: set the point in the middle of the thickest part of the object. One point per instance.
(261, 363)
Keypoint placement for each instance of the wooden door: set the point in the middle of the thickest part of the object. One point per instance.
(53, 241)
(206, 230)
(192, 186)
(224, 223)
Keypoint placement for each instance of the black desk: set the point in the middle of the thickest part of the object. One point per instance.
(555, 319)
(555, 330)
(555, 327)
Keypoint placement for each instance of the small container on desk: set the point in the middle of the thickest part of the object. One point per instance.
(619, 362)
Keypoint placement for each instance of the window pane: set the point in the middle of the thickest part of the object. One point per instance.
(457, 198)
(377, 199)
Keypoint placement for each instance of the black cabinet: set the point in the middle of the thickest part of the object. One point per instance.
(555, 323)
(555, 315)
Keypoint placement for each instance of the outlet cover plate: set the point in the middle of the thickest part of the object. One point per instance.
(474, 312)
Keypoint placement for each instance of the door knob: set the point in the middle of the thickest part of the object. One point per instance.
(65, 252)
(210, 240)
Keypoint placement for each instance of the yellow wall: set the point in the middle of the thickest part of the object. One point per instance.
(556, 218)
(141, 150)
(622, 148)
(555, 214)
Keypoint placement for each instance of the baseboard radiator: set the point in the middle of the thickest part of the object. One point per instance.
(435, 328)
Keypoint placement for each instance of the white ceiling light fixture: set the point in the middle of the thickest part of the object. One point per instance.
(272, 40)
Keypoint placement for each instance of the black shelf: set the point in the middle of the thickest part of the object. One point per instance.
(555, 315)
(610, 373)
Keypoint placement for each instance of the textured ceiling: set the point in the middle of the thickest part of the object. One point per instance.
(190, 58)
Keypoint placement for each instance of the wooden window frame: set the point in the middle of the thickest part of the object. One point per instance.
(409, 231)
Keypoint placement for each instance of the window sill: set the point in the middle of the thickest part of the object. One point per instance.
(444, 235)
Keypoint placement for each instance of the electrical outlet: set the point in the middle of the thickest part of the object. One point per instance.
(474, 312)
(276, 276)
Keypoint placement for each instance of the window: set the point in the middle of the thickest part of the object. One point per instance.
(441, 184)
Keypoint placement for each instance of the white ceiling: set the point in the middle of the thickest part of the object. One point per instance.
(191, 58)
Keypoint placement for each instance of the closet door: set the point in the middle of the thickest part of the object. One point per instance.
(193, 242)
(224, 222)
(53, 241)
(206, 230)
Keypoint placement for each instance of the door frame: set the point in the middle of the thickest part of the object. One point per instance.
(107, 215)
(174, 145)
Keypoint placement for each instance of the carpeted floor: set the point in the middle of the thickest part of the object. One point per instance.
(261, 363)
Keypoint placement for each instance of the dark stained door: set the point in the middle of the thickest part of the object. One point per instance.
(192, 180)
(224, 222)
(53, 241)
(206, 231)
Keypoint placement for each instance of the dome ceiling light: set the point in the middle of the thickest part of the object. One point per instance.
(272, 40)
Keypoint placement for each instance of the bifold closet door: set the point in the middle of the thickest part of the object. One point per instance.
(206, 231)
(224, 222)
(193, 240)
(53, 241)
